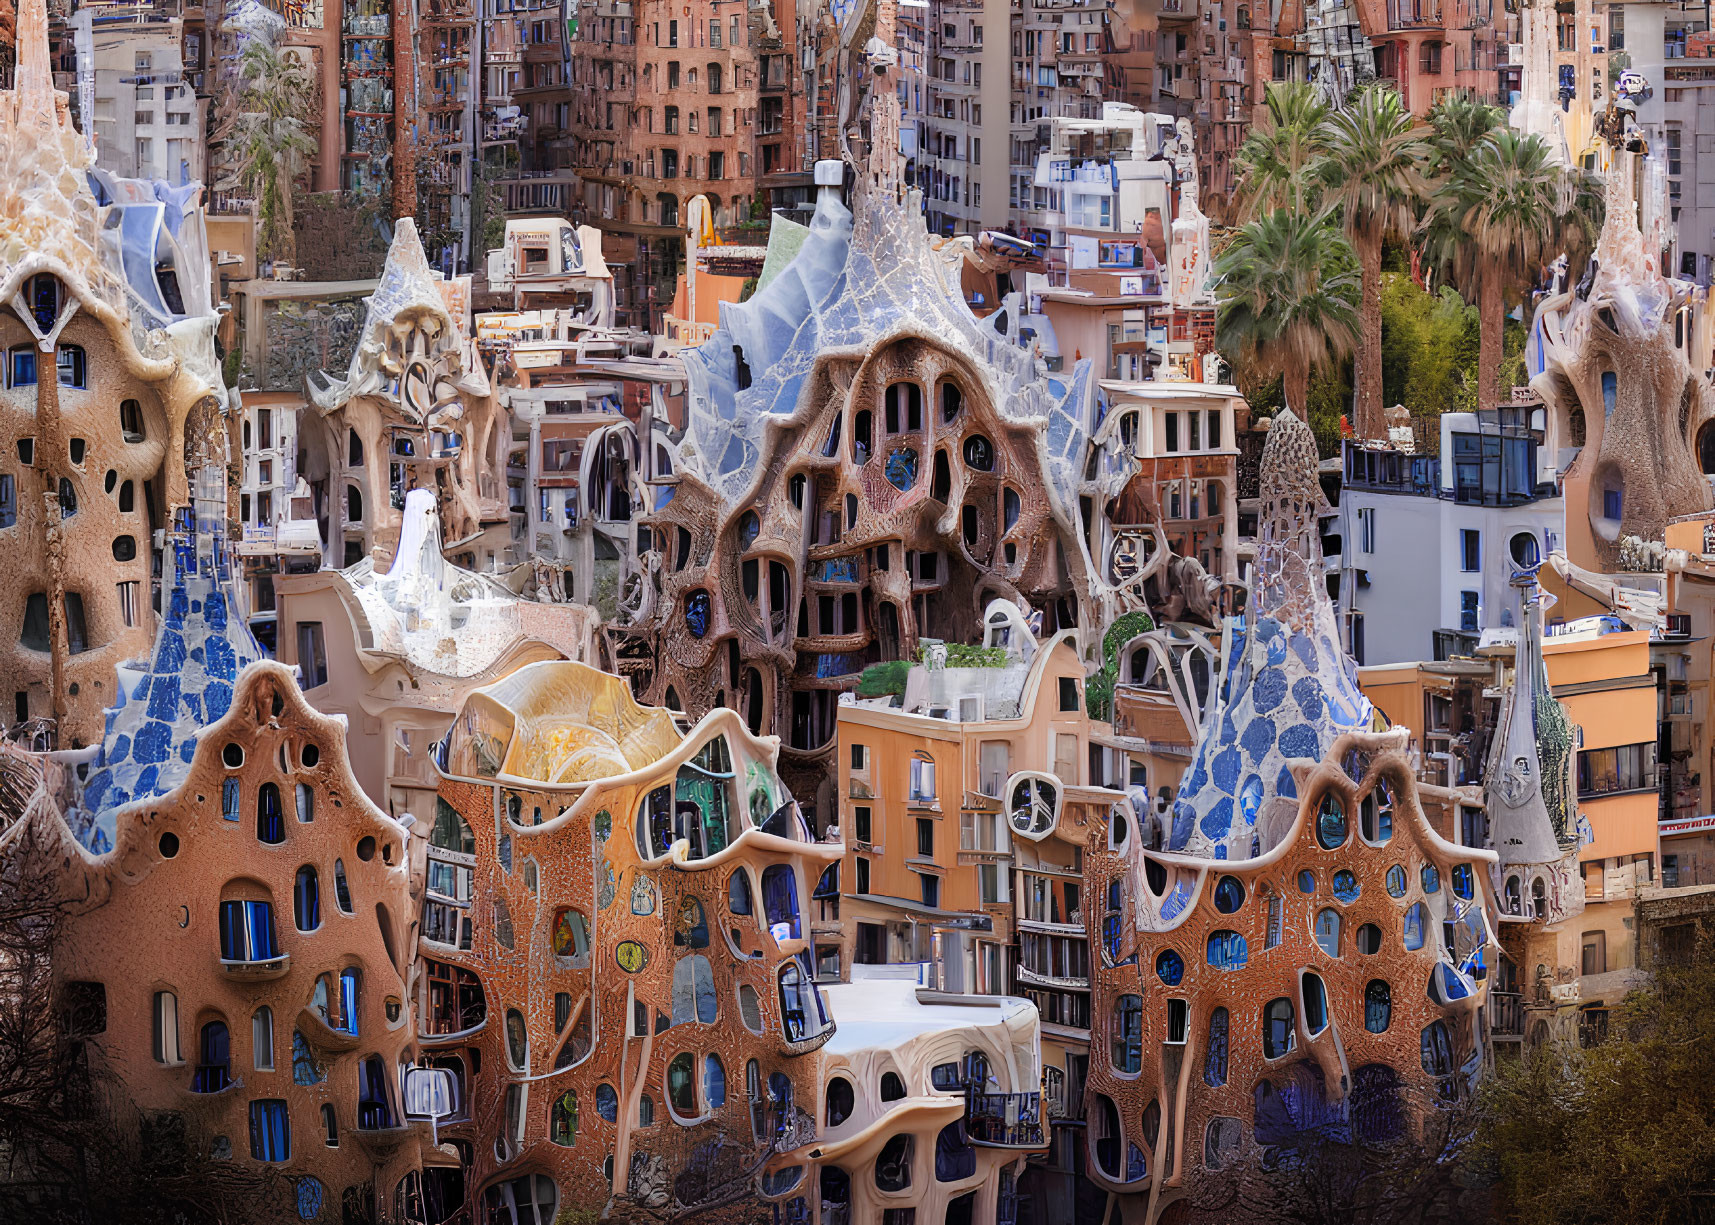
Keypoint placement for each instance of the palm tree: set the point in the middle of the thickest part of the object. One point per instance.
(1372, 175)
(270, 143)
(1273, 165)
(1459, 125)
(1517, 210)
(1289, 297)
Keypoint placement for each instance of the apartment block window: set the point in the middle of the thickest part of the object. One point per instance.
(1171, 421)
(931, 889)
(1626, 767)
(1069, 693)
(1595, 953)
(1470, 550)
(859, 756)
(1468, 612)
(672, 33)
(312, 654)
(714, 31)
(1673, 151)
(1367, 529)
(862, 874)
(922, 778)
(860, 823)
(926, 837)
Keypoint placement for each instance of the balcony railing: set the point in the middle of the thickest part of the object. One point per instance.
(1003, 1120)
(1413, 15)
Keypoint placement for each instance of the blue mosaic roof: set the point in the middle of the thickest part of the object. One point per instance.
(855, 284)
(201, 647)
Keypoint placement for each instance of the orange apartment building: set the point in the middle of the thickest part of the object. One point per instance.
(966, 801)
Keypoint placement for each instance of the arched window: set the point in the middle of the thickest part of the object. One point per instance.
(714, 1082)
(73, 367)
(1415, 918)
(1431, 878)
(893, 1166)
(682, 1085)
(750, 1008)
(1514, 897)
(1464, 885)
(165, 1018)
(570, 937)
(270, 819)
(1127, 1051)
(691, 928)
(1315, 1003)
(693, 991)
(842, 1099)
(517, 1041)
(1378, 1006)
(563, 1119)
(1331, 821)
(607, 1103)
(350, 996)
(1229, 894)
(955, 1158)
(1375, 814)
(214, 1059)
(341, 892)
(307, 900)
(1328, 931)
(1279, 1030)
(800, 1006)
(262, 1038)
(353, 504)
(131, 420)
(1369, 938)
(1215, 1063)
(952, 400)
(1539, 898)
(738, 892)
(780, 898)
(44, 296)
(1395, 881)
(1437, 1049)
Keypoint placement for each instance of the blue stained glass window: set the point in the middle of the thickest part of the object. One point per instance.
(1396, 881)
(697, 612)
(1431, 878)
(1346, 887)
(229, 799)
(1414, 920)
(1170, 967)
(1331, 822)
(1227, 950)
(304, 1069)
(1378, 1006)
(1463, 884)
(1306, 881)
(1215, 1064)
(607, 1102)
(270, 1130)
(1229, 894)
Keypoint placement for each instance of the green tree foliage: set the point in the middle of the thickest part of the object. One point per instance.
(1288, 290)
(1622, 1133)
(1275, 162)
(1099, 689)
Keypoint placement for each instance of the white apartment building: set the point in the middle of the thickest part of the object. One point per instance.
(148, 120)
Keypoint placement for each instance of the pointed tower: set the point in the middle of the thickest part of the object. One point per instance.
(1528, 787)
(1286, 688)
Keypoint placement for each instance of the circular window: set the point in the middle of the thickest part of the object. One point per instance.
(310, 756)
(1524, 549)
(1170, 967)
(169, 845)
(232, 755)
(366, 848)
